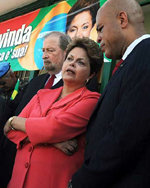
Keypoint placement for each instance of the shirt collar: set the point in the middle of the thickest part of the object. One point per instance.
(58, 75)
(58, 78)
(134, 44)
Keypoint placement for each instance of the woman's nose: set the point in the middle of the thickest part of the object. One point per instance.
(72, 63)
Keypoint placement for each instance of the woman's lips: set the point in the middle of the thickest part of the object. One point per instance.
(71, 71)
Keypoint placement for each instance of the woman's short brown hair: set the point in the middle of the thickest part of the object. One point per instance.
(92, 49)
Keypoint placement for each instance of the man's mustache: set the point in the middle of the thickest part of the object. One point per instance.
(47, 61)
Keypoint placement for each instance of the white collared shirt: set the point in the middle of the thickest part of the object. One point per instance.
(134, 44)
(58, 77)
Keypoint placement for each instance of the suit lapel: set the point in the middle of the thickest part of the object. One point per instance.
(58, 84)
(52, 95)
(43, 81)
(108, 86)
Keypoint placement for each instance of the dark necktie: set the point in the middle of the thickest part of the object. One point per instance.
(117, 66)
(49, 82)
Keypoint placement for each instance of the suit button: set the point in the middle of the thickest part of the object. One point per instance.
(30, 149)
(26, 165)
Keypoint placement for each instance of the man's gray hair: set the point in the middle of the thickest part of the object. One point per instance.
(64, 39)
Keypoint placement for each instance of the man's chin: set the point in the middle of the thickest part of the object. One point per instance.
(108, 55)
(49, 68)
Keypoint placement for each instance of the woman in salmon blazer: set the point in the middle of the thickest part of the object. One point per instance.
(54, 116)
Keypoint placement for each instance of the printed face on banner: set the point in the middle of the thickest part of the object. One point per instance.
(81, 25)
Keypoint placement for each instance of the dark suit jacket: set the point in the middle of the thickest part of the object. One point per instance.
(118, 137)
(3, 117)
(7, 148)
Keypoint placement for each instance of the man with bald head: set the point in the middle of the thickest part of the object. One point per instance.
(118, 134)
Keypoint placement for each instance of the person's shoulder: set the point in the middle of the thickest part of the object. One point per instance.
(37, 82)
(144, 45)
(89, 93)
(23, 84)
(48, 91)
(39, 77)
(147, 40)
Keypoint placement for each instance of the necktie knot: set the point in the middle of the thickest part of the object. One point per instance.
(117, 66)
(50, 82)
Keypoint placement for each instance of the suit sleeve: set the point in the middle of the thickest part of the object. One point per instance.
(127, 138)
(63, 126)
(5, 113)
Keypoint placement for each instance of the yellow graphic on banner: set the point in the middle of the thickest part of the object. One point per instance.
(63, 7)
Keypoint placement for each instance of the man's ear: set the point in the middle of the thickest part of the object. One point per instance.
(123, 19)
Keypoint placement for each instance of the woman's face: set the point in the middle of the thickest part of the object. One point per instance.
(81, 25)
(76, 68)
